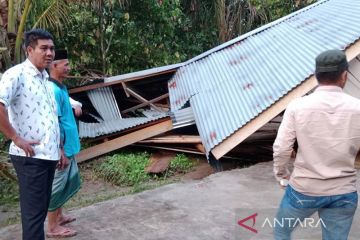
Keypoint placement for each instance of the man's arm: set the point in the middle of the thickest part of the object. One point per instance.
(59, 102)
(76, 106)
(283, 145)
(9, 132)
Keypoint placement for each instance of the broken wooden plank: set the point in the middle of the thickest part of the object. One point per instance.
(200, 147)
(124, 140)
(169, 149)
(160, 161)
(139, 97)
(125, 89)
(145, 103)
(173, 139)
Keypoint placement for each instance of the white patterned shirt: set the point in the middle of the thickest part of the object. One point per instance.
(31, 109)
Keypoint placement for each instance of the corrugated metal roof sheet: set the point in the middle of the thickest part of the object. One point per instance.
(92, 130)
(104, 101)
(143, 73)
(183, 117)
(231, 86)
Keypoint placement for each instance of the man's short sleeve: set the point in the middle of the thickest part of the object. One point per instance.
(8, 87)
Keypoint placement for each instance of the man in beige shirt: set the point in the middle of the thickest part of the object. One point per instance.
(326, 126)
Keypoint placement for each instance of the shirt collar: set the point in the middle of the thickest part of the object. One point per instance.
(329, 88)
(60, 85)
(34, 71)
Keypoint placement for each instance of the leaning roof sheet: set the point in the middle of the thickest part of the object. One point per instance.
(92, 130)
(229, 86)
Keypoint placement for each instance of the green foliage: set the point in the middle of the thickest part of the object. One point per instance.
(4, 144)
(126, 169)
(49, 14)
(181, 164)
(9, 191)
(279, 8)
(2, 138)
(141, 35)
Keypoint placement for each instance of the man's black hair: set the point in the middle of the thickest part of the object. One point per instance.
(329, 77)
(32, 36)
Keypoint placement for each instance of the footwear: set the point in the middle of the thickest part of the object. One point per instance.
(65, 233)
(66, 220)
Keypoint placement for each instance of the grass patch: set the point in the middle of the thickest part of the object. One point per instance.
(128, 169)
(180, 164)
(124, 169)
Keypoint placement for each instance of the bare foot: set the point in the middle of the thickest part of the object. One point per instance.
(65, 219)
(61, 232)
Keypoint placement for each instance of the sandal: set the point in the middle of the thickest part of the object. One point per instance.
(65, 233)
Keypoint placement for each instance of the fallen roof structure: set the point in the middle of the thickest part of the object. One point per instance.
(231, 91)
(241, 85)
(112, 109)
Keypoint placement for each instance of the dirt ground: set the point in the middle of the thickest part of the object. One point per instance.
(97, 190)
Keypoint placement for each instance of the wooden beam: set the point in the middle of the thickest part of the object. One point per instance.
(139, 97)
(169, 149)
(353, 51)
(173, 139)
(125, 89)
(264, 117)
(88, 87)
(123, 141)
(200, 147)
(145, 103)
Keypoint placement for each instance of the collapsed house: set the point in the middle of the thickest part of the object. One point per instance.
(227, 96)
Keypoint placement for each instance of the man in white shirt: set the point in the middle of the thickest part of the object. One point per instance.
(28, 117)
(326, 125)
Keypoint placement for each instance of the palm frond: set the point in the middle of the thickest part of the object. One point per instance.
(54, 16)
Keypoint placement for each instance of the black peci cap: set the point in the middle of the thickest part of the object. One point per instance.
(60, 54)
(331, 61)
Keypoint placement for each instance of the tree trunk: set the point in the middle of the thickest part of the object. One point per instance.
(11, 18)
(220, 18)
(5, 53)
(21, 31)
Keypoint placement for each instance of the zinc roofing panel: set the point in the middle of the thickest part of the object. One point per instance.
(230, 86)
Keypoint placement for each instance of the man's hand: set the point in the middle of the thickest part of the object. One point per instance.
(284, 182)
(63, 162)
(25, 145)
(78, 111)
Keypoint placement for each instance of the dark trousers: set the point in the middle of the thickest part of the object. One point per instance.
(35, 183)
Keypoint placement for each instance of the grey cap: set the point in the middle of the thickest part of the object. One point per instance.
(331, 61)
